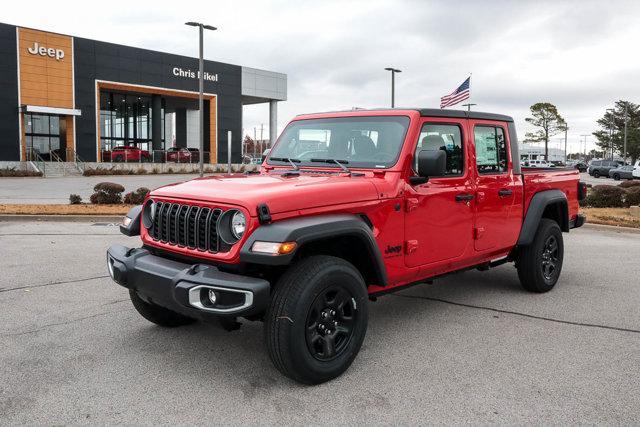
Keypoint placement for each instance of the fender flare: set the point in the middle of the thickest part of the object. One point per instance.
(539, 203)
(310, 229)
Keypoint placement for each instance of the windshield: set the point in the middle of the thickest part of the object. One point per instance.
(366, 142)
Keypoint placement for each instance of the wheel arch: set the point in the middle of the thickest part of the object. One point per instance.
(551, 204)
(346, 236)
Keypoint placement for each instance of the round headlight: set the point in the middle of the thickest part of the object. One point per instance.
(152, 210)
(148, 213)
(238, 224)
(231, 226)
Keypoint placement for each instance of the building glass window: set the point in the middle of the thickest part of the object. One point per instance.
(126, 120)
(42, 134)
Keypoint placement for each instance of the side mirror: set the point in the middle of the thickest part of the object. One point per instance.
(431, 164)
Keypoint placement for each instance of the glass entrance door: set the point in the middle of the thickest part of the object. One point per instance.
(44, 137)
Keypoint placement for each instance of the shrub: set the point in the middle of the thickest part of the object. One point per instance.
(136, 197)
(107, 193)
(632, 198)
(606, 196)
(13, 172)
(629, 184)
(75, 199)
(108, 187)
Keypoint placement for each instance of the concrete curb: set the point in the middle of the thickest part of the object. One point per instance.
(62, 218)
(614, 228)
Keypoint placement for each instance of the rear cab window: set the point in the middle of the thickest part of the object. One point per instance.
(491, 149)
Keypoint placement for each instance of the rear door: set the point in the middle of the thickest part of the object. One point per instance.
(439, 213)
(498, 191)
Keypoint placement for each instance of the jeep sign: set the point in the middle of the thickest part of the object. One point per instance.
(36, 49)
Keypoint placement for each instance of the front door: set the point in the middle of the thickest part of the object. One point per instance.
(498, 190)
(439, 213)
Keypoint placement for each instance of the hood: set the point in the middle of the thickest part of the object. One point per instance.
(281, 193)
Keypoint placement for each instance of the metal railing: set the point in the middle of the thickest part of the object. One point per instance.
(37, 160)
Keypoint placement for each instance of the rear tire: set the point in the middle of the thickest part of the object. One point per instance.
(317, 319)
(540, 263)
(159, 315)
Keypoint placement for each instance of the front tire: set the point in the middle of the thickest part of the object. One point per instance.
(317, 319)
(159, 315)
(596, 174)
(540, 263)
(616, 177)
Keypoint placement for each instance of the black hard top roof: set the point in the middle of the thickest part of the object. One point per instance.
(436, 112)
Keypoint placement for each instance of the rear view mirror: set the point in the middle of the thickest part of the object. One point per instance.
(431, 164)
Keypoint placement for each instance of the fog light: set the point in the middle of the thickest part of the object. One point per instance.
(212, 297)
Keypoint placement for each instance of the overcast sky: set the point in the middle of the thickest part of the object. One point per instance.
(579, 55)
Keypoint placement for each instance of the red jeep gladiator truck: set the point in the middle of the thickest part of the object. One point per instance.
(346, 207)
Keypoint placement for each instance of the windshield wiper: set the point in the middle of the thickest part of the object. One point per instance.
(287, 159)
(340, 163)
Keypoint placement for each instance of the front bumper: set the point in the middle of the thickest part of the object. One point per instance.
(184, 288)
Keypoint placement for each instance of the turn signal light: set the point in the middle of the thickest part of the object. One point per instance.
(273, 248)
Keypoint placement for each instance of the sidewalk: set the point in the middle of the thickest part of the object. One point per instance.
(57, 190)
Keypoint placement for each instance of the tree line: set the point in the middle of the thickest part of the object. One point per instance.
(548, 122)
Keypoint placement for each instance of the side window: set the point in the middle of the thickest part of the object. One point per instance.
(435, 136)
(491, 149)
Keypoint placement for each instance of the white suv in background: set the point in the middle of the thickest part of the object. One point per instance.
(536, 164)
(636, 170)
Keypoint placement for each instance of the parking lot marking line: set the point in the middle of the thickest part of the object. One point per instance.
(54, 283)
(516, 313)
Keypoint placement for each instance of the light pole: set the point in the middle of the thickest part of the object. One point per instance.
(585, 146)
(201, 28)
(624, 154)
(611, 123)
(566, 128)
(393, 84)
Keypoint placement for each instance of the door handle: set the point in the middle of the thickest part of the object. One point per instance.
(505, 192)
(464, 197)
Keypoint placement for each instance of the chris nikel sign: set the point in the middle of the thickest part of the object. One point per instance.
(179, 72)
(36, 49)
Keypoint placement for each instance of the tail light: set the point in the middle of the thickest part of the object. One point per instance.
(582, 190)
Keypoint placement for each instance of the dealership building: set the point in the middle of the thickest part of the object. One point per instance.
(63, 96)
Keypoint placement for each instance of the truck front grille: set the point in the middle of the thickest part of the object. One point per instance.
(189, 226)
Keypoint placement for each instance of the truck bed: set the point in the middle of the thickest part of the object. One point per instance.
(563, 179)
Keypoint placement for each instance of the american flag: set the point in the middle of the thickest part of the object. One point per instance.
(458, 95)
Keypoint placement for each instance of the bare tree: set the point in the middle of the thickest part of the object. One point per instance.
(549, 122)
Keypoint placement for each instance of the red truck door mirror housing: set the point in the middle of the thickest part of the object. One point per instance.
(431, 164)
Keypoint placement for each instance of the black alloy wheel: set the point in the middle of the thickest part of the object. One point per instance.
(549, 262)
(317, 319)
(330, 323)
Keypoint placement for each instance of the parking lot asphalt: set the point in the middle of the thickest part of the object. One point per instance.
(471, 348)
(57, 190)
